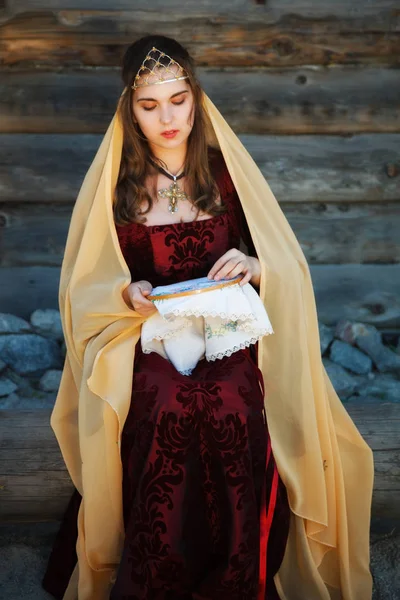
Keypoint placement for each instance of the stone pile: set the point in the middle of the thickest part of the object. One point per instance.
(362, 363)
(31, 359)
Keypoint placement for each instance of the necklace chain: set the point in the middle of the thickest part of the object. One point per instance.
(173, 192)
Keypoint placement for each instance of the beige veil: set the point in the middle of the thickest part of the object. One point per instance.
(325, 464)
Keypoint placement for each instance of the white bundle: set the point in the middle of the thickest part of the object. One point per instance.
(211, 324)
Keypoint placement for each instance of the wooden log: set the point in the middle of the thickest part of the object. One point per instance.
(379, 424)
(19, 461)
(228, 33)
(384, 438)
(331, 233)
(25, 289)
(44, 507)
(33, 234)
(358, 293)
(58, 163)
(367, 293)
(341, 8)
(34, 482)
(340, 233)
(260, 101)
(36, 486)
(323, 169)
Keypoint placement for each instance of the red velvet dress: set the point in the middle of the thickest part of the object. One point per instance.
(206, 514)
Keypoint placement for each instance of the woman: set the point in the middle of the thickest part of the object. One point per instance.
(193, 448)
(181, 494)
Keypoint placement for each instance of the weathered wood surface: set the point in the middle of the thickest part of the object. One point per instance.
(341, 8)
(35, 484)
(291, 100)
(324, 169)
(379, 424)
(367, 293)
(225, 33)
(345, 232)
(25, 289)
(358, 292)
(35, 234)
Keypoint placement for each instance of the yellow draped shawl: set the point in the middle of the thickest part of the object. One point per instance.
(325, 464)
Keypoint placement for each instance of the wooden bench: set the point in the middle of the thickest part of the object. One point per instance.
(35, 485)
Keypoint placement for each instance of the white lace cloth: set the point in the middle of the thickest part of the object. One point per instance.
(212, 324)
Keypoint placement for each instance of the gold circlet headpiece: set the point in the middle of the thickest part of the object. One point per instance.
(145, 71)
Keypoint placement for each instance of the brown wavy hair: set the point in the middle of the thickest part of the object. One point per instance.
(130, 192)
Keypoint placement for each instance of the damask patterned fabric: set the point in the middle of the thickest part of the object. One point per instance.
(205, 511)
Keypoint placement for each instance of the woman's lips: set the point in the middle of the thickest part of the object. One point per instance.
(170, 134)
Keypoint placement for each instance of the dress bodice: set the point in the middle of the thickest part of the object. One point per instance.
(165, 254)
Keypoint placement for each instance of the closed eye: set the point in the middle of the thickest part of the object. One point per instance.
(176, 104)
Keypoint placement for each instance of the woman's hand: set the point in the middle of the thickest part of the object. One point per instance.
(233, 263)
(135, 295)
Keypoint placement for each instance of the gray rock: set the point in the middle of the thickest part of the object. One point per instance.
(11, 324)
(25, 549)
(30, 353)
(2, 365)
(7, 386)
(3, 341)
(26, 384)
(385, 561)
(24, 552)
(325, 336)
(19, 402)
(369, 340)
(349, 357)
(50, 381)
(382, 386)
(365, 379)
(363, 400)
(391, 337)
(47, 321)
(345, 384)
(344, 332)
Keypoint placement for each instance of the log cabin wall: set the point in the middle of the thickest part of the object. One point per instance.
(311, 86)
